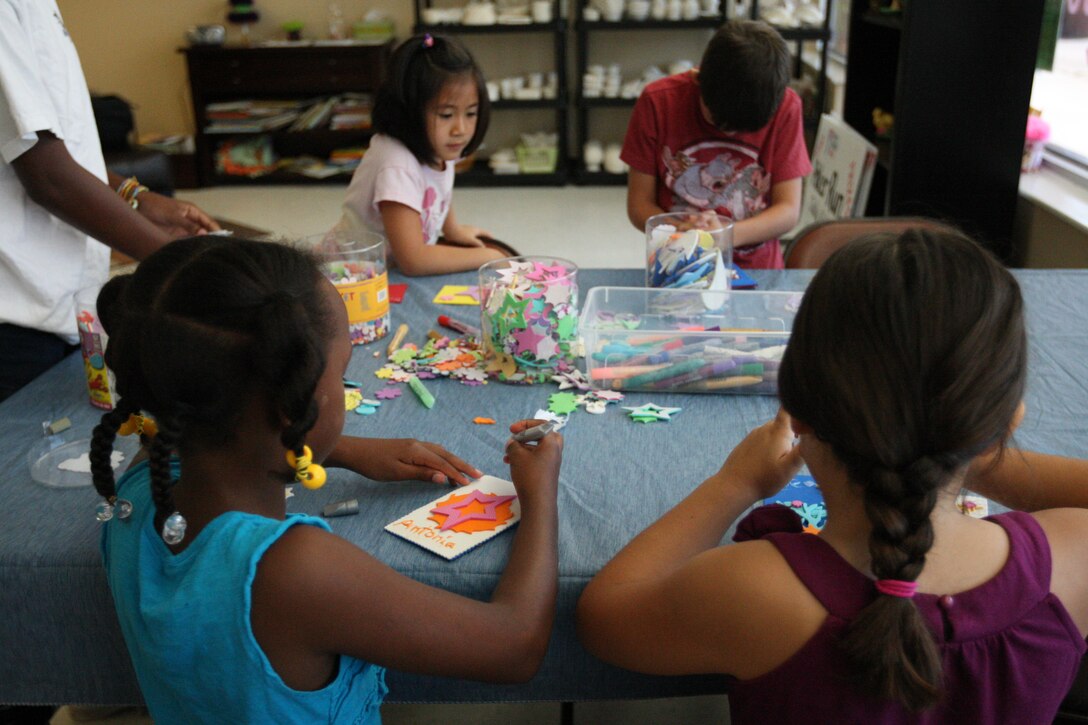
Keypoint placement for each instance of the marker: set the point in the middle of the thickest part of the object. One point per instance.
(421, 391)
(398, 338)
(457, 325)
(535, 433)
(341, 508)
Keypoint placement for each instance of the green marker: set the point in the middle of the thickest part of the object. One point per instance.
(421, 392)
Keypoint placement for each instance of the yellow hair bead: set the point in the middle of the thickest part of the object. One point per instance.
(139, 425)
(309, 474)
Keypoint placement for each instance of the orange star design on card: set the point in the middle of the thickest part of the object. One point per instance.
(472, 512)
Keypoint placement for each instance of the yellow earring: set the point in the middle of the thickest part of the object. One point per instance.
(139, 425)
(309, 474)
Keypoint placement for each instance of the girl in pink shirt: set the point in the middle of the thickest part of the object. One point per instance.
(431, 111)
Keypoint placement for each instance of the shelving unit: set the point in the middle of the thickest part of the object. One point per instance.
(480, 174)
(226, 73)
(584, 106)
(957, 77)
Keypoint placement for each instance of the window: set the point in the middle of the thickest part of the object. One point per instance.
(1060, 90)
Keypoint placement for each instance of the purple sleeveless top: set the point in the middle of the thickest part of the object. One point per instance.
(1008, 647)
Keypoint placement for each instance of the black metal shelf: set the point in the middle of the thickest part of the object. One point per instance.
(479, 176)
(515, 105)
(884, 20)
(651, 24)
(556, 26)
(605, 102)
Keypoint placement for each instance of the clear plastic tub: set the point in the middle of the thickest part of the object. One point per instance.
(689, 249)
(529, 317)
(686, 341)
(354, 261)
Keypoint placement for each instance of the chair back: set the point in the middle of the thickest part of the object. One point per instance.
(816, 242)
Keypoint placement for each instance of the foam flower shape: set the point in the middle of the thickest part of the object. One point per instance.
(388, 393)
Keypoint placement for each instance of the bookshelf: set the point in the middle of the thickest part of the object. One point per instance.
(957, 77)
(293, 76)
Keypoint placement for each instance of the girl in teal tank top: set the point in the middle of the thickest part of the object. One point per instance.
(232, 610)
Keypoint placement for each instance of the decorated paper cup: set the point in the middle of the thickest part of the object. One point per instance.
(689, 250)
(92, 345)
(529, 317)
(354, 261)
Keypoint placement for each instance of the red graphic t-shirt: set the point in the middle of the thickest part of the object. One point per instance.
(699, 167)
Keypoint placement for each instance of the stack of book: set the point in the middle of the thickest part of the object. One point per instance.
(251, 116)
(352, 111)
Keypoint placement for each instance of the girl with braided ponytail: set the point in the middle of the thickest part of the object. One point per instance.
(902, 381)
(232, 610)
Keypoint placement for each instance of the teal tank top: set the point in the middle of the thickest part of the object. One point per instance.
(186, 622)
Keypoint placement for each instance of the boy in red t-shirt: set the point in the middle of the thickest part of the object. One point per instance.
(726, 137)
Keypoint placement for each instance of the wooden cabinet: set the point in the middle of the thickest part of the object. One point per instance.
(223, 73)
(957, 76)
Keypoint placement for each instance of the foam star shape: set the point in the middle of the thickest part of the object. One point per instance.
(456, 513)
(562, 403)
(528, 340)
(558, 294)
(612, 396)
(511, 313)
(650, 412)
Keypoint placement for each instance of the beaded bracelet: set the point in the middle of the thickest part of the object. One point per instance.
(129, 189)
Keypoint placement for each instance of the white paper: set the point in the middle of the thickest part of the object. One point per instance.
(419, 528)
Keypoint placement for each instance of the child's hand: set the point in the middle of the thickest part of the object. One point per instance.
(765, 460)
(534, 466)
(468, 236)
(401, 459)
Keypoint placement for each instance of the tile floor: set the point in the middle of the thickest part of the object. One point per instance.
(587, 225)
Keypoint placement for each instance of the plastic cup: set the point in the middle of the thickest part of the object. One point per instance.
(101, 387)
(529, 317)
(354, 261)
(689, 249)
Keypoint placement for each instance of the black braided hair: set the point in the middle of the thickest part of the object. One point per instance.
(102, 449)
(202, 325)
(908, 357)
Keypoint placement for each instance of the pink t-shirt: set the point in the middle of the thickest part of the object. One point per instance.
(699, 167)
(389, 172)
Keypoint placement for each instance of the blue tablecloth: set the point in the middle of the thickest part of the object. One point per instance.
(59, 635)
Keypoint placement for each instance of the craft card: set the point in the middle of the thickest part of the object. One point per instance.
(458, 294)
(803, 496)
(461, 519)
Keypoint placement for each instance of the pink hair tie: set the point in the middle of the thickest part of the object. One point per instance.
(428, 40)
(896, 587)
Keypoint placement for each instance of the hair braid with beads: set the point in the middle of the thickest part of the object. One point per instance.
(908, 358)
(201, 326)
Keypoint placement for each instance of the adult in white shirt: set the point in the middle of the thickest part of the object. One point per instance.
(56, 197)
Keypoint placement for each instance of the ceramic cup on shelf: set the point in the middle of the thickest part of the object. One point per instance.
(477, 13)
(593, 155)
(542, 11)
(613, 164)
(638, 9)
(613, 10)
(690, 9)
(659, 9)
(675, 10)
